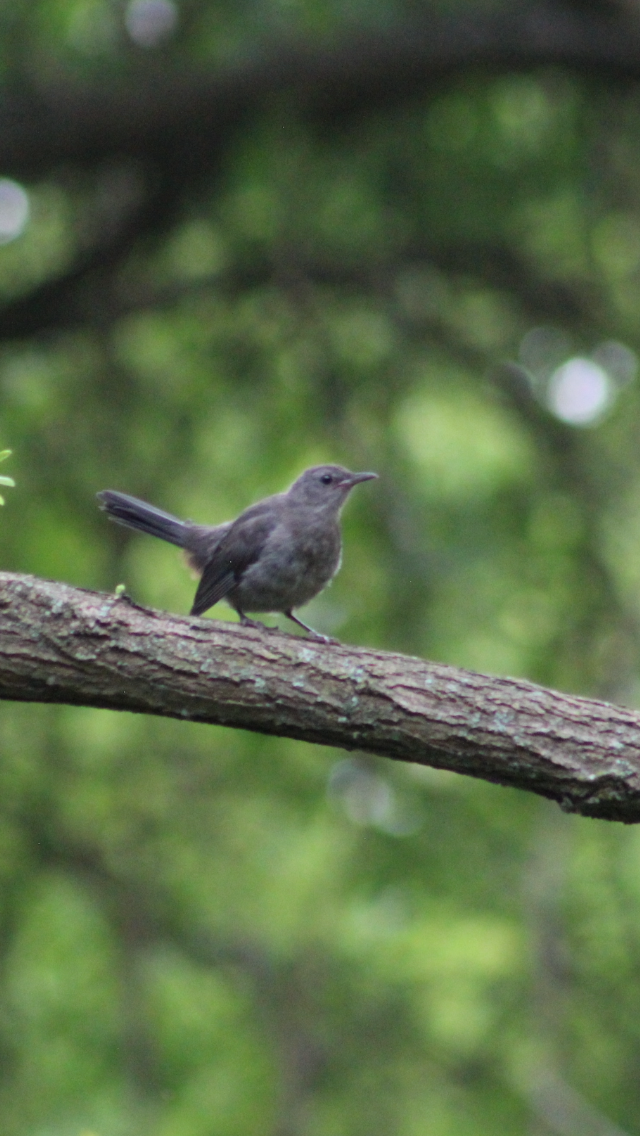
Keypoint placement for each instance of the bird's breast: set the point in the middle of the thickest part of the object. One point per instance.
(297, 562)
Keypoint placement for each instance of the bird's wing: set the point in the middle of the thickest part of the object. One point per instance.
(201, 542)
(240, 547)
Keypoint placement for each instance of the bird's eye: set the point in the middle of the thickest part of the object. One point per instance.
(326, 479)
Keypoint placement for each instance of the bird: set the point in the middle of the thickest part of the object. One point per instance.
(275, 556)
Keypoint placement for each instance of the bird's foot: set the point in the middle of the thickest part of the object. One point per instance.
(317, 635)
(246, 622)
(320, 638)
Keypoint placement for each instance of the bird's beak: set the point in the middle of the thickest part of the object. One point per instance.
(356, 478)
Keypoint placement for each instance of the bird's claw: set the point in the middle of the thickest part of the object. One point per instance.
(256, 624)
(320, 638)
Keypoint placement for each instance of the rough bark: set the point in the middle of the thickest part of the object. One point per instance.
(68, 645)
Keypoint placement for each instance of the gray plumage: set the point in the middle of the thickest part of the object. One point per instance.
(276, 556)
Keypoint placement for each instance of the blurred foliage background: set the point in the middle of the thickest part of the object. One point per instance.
(238, 239)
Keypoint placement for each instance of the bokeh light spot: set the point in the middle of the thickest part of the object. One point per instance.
(14, 210)
(619, 361)
(542, 349)
(368, 799)
(149, 22)
(579, 391)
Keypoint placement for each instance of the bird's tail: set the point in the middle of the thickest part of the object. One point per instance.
(136, 514)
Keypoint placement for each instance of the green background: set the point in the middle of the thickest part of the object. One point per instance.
(210, 933)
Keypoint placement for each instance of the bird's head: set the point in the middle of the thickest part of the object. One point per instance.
(326, 486)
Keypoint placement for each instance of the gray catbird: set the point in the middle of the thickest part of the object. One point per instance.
(275, 556)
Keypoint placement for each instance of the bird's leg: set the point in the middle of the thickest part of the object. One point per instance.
(246, 622)
(316, 634)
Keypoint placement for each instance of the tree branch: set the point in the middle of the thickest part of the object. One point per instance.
(161, 110)
(68, 645)
(177, 124)
(89, 292)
